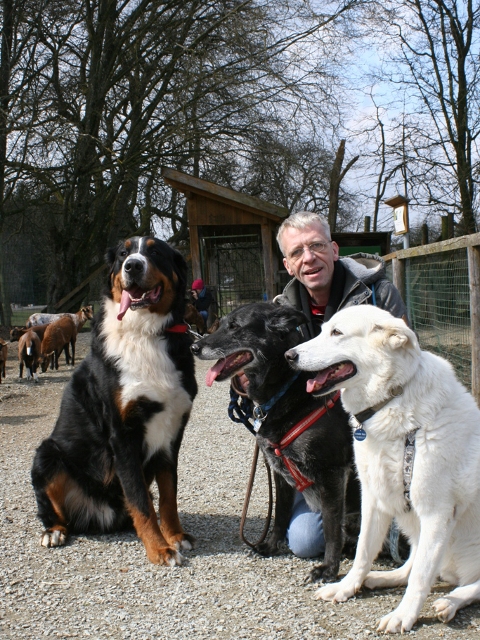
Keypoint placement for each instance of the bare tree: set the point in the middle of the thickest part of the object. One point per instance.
(436, 76)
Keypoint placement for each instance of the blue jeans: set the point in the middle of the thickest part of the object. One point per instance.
(305, 531)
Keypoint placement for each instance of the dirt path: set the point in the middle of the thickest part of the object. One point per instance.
(104, 587)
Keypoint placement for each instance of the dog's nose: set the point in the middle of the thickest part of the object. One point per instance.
(133, 266)
(291, 355)
(195, 348)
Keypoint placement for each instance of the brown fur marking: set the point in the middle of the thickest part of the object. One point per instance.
(158, 551)
(117, 287)
(56, 492)
(169, 520)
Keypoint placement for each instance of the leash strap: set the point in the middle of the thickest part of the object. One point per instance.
(301, 481)
(408, 460)
(240, 410)
(246, 503)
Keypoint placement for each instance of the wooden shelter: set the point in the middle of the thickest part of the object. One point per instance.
(232, 238)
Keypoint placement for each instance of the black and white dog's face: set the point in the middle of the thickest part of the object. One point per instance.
(146, 272)
(252, 340)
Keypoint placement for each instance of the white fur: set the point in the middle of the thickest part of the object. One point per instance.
(140, 354)
(444, 523)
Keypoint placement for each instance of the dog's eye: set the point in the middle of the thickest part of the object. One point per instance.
(123, 253)
(336, 332)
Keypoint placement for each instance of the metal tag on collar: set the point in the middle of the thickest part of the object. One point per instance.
(259, 416)
(258, 413)
(359, 434)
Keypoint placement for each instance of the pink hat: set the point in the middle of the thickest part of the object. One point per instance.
(197, 285)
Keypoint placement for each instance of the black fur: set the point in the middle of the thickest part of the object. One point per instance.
(323, 453)
(98, 453)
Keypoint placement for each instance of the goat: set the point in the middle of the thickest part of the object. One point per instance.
(192, 316)
(58, 335)
(214, 326)
(79, 318)
(3, 358)
(29, 354)
(17, 332)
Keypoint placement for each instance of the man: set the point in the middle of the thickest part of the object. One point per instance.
(322, 284)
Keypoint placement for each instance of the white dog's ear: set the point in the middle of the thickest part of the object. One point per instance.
(400, 337)
(397, 340)
(395, 337)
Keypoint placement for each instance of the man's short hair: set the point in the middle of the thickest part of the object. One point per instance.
(302, 220)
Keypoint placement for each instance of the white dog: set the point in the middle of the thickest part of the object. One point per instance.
(418, 458)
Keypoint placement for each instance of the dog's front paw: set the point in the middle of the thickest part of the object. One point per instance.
(54, 537)
(165, 555)
(267, 549)
(324, 573)
(445, 608)
(398, 621)
(182, 541)
(337, 591)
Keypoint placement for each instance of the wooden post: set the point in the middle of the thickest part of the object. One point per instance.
(444, 227)
(366, 224)
(268, 262)
(424, 233)
(451, 229)
(398, 268)
(473, 254)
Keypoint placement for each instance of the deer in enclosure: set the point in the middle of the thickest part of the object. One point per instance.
(3, 358)
(58, 335)
(79, 318)
(17, 332)
(29, 354)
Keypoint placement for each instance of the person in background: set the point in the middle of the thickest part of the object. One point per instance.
(201, 298)
(323, 283)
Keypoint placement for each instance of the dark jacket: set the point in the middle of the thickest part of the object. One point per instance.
(204, 300)
(353, 279)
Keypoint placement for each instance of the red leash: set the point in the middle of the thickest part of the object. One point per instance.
(301, 481)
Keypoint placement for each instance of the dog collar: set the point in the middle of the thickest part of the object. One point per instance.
(177, 328)
(260, 410)
(356, 421)
(301, 481)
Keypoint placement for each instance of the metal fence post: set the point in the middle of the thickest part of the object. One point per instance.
(398, 272)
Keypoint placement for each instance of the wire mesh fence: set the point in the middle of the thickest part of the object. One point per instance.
(437, 293)
(439, 305)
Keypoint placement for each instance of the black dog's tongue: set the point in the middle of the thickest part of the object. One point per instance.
(135, 294)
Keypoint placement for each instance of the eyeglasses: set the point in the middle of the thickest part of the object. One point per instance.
(316, 248)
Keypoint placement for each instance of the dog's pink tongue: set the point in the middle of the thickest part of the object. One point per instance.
(213, 372)
(317, 382)
(125, 303)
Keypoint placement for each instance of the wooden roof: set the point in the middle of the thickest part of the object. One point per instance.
(190, 185)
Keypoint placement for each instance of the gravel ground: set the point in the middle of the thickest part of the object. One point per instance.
(104, 586)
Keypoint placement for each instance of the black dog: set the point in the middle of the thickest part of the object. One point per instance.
(124, 411)
(252, 340)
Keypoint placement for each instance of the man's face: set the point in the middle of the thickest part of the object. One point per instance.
(313, 270)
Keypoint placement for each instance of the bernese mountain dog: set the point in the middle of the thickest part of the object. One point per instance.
(124, 411)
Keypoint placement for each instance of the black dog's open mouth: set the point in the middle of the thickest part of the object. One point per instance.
(137, 298)
(227, 366)
(331, 376)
